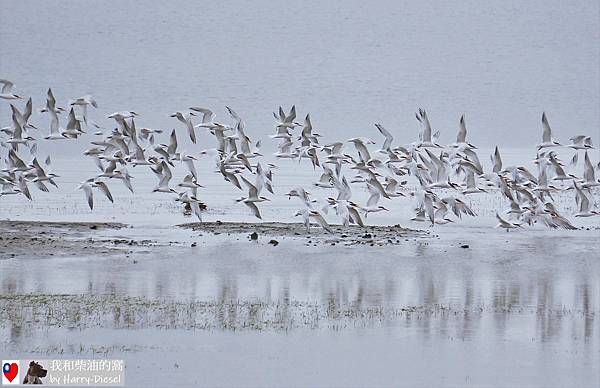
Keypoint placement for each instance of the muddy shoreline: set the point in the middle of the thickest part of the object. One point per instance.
(64, 239)
(351, 235)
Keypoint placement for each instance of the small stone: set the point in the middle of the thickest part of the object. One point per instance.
(254, 236)
(94, 227)
(367, 235)
(274, 242)
(194, 244)
(465, 246)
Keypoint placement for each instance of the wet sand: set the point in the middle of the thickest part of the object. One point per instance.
(29, 238)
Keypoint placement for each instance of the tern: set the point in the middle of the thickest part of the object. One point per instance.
(6, 92)
(502, 223)
(208, 119)
(186, 119)
(51, 104)
(547, 140)
(83, 103)
(314, 214)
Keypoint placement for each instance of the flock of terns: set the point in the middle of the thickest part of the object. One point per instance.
(445, 175)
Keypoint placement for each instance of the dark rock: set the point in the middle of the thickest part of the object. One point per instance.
(274, 242)
(94, 227)
(254, 236)
(194, 244)
(464, 246)
(367, 235)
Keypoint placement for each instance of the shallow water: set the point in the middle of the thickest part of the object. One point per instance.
(424, 312)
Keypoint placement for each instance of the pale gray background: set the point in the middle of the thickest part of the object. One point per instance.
(349, 63)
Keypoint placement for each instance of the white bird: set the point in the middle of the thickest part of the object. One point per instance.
(186, 119)
(83, 103)
(425, 136)
(387, 144)
(229, 176)
(314, 214)
(51, 104)
(461, 137)
(127, 114)
(470, 184)
(86, 186)
(586, 203)
(547, 140)
(326, 178)
(190, 183)
(189, 162)
(286, 121)
(305, 213)
(372, 202)
(208, 119)
(54, 132)
(302, 194)
(504, 224)
(581, 142)
(6, 93)
(589, 175)
(253, 193)
(164, 173)
(361, 148)
(284, 150)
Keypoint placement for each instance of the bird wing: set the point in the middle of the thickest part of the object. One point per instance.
(462, 131)
(547, 134)
(252, 190)
(388, 137)
(6, 85)
(254, 209)
(172, 149)
(496, 160)
(190, 129)
(374, 197)
(207, 114)
(426, 134)
(89, 195)
(104, 188)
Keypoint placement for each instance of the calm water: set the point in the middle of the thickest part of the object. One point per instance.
(425, 312)
(349, 64)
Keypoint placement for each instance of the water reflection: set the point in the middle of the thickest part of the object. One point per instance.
(241, 286)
